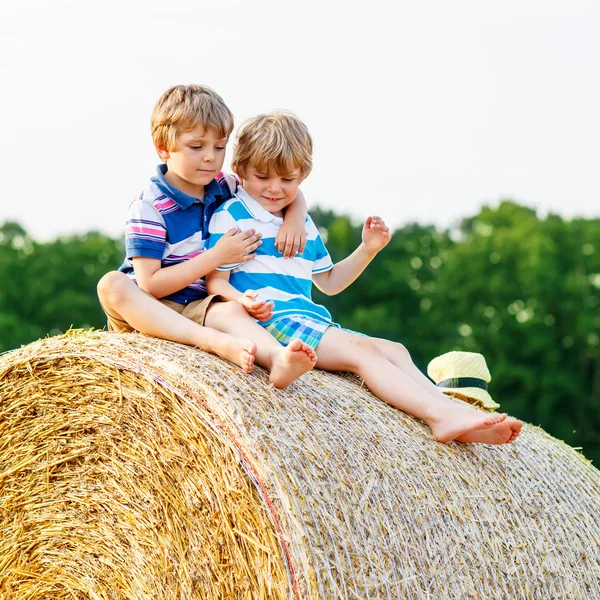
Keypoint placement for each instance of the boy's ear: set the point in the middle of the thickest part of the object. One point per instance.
(162, 152)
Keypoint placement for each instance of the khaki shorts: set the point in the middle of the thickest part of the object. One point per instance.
(194, 311)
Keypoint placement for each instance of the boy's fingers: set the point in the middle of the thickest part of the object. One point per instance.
(280, 244)
(253, 247)
(232, 231)
(253, 239)
(289, 245)
(249, 233)
(248, 257)
(265, 310)
(302, 244)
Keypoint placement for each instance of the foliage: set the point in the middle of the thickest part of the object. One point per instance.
(45, 288)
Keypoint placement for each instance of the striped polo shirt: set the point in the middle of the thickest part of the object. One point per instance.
(287, 282)
(167, 224)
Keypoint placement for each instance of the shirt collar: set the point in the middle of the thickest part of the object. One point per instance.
(212, 191)
(255, 209)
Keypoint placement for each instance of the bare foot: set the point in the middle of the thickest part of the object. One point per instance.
(456, 422)
(238, 351)
(504, 432)
(292, 361)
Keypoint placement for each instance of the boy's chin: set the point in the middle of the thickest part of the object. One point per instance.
(273, 207)
(274, 210)
(205, 179)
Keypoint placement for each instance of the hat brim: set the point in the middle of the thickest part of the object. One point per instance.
(472, 395)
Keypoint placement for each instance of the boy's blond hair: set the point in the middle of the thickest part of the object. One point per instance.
(278, 140)
(184, 107)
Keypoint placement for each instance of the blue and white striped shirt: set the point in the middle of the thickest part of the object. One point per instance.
(287, 282)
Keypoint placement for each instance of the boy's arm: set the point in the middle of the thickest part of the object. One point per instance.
(146, 238)
(375, 236)
(217, 282)
(233, 247)
(291, 238)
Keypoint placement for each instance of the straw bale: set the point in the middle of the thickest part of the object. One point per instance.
(135, 468)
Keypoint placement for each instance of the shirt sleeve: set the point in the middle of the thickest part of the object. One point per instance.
(228, 190)
(322, 259)
(220, 223)
(145, 231)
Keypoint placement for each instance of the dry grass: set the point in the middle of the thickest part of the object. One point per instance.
(113, 486)
(133, 468)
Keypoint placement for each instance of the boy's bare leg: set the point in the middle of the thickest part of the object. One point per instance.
(342, 351)
(505, 432)
(284, 363)
(122, 299)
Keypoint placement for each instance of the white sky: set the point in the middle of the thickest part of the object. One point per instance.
(420, 110)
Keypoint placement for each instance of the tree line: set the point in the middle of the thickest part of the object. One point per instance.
(521, 289)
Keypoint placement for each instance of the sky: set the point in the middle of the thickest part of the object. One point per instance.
(419, 110)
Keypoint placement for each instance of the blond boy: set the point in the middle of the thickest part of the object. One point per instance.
(272, 156)
(167, 258)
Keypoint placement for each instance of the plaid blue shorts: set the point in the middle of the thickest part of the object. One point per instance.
(309, 330)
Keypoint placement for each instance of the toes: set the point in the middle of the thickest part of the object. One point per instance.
(295, 344)
(248, 360)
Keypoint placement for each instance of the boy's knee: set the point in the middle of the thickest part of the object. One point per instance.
(233, 309)
(365, 350)
(110, 286)
(367, 346)
(224, 312)
(401, 349)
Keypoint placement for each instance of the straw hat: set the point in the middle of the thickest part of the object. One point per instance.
(464, 375)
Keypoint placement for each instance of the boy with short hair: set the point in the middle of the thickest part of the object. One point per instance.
(272, 156)
(166, 231)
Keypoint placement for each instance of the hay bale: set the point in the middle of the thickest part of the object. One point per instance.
(134, 468)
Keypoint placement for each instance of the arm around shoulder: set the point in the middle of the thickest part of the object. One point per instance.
(291, 237)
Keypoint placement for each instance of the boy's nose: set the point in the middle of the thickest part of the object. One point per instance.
(209, 156)
(274, 186)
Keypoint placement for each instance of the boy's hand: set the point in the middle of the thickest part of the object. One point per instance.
(259, 309)
(237, 246)
(375, 235)
(291, 240)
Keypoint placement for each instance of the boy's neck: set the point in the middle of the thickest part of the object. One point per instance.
(197, 191)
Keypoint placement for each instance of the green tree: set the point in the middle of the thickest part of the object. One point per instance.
(45, 288)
